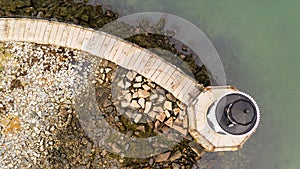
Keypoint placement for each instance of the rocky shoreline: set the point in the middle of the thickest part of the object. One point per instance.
(63, 143)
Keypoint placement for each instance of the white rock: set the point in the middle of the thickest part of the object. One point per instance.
(143, 93)
(148, 107)
(127, 84)
(121, 84)
(167, 113)
(107, 70)
(134, 104)
(152, 114)
(152, 85)
(168, 105)
(146, 87)
(161, 98)
(137, 85)
(128, 97)
(138, 79)
(153, 96)
(124, 92)
(158, 109)
(130, 75)
(101, 70)
(138, 118)
(135, 95)
(125, 104)
(176, 111)
(161, 117)
(141, 101)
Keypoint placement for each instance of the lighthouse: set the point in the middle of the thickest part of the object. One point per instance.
(223, 118)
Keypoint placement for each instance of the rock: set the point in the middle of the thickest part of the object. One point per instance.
(148, 106)
(169, 122)
(128, 97)
(161, 117)
(141, 128)
(100, 81)
(121, 84)
(178, 122)
(197, 148)
(107, 70)
(175, 166)
(152, 85)
(127, 84)
(151, 161)
(181, 116)
(167, 113)
(101, 70)
(109, 109)
(165, 129)
(156, 124)
(176, 111)
(129, 114)
(171, 97)
(137, 85)
(143, 93)
(168, 105)
(141, 101)
(84, 17)
(146, 87)
(134, 104)
(138, 78)
(175, 156)
(161, 98)
(52, 128)
(158, 109)
(138, 118)
(182, 56)
(131, 75)
(135, 95)
(181, 105)
(125, 104)
(124, 92)
(162, 157)
(153, 96)
(116, 148)
(152, 114)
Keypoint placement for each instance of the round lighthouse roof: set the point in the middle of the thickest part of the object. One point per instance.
(236, 113)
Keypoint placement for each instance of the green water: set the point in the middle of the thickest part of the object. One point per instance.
(258, 42)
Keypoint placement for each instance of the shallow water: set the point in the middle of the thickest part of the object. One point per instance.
(258, 44)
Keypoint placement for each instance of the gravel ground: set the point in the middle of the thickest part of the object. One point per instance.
(39, 127)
